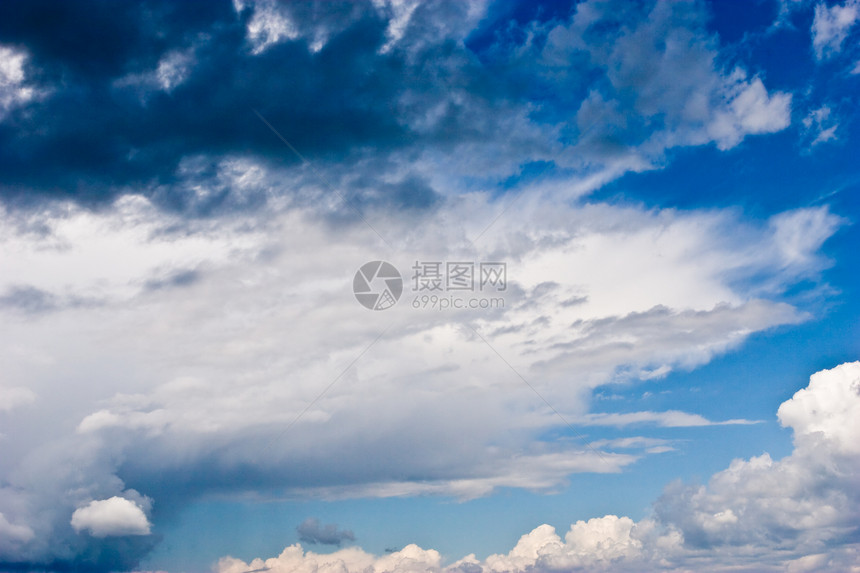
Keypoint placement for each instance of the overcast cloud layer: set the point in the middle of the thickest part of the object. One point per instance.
(187, 190)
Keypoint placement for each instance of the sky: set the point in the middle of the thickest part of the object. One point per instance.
(447, 287)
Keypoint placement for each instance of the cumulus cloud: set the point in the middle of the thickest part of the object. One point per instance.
(796, 514)
(803, 504)
(313, 532)
(112, 517)
(831, 26)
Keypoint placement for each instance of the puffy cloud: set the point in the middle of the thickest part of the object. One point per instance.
(311, 531)
(112, 517)
(796, 514)
(806, 503)
(831, 26)
(827, 412)
(410, 559)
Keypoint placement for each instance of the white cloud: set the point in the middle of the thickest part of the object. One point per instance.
(270, 24)
(821, 125)
(401, 13)
(111, 517)
(796, 514)
(749, 110)
(670, 419)
(169, 375)
(827, 412)
(806, 503)
(13, 91)
(831, 26)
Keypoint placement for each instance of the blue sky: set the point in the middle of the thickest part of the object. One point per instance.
(667, 379)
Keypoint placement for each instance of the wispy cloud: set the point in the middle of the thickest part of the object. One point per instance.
(668, 419)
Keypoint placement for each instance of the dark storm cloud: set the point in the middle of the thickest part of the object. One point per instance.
(89, 136)
(98, 129)
(96, 556)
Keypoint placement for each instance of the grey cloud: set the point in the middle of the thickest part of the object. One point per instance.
(313, 532)
(28, 299)
(358, 101)
(180, 278)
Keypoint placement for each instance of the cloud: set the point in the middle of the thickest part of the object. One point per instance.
(311, 531)
(12, 536)
(422, 97)
(204, 417)
(831, 26)
(821, 125)
(749, 110)
(827, 412)
(112, 517)
(805, 503)
(198, 314)
(13, 89)
(14, 397)
(670, 419)
(663, 87)
(796, 514)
